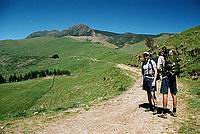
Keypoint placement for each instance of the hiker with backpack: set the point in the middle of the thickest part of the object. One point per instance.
(169, 68)
(148, 79)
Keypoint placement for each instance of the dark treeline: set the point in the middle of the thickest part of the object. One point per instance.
(33, 75)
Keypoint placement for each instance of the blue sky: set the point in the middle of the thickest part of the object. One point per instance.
(19, 18)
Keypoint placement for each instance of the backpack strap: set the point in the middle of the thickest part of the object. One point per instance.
(148, 62)
(142, 68)
(158, 75)
(152, 66)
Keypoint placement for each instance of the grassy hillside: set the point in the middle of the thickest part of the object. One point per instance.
(188, 45)
(190, 95)
(94, 75)
(139, 47)
(22, 56)
(136, 49)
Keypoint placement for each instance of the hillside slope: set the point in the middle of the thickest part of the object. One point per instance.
(188, 45)
(50, 94)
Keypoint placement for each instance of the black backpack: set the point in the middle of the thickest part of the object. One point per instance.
(172, 65)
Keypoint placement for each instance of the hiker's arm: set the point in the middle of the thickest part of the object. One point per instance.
(155, 72)
(158, 66)
(141, 80)
(141, 77)
(155, 75)
(159, 63)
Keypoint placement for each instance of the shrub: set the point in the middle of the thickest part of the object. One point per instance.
(2, 79)
(55, 56)
(18, 114)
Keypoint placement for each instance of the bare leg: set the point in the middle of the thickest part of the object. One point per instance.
(174, 100)
(165, 100)
(174, 105)
(153, 98)
(149, 97)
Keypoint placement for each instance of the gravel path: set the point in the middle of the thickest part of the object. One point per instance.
(120, 115)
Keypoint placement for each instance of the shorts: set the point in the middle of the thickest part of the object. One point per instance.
(168, 82)
(147, 84)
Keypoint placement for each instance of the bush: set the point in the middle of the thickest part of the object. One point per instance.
(19, 114)
(122, 88)
(2, 79)
(55, 56)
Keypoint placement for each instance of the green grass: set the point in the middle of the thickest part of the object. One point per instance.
(190, 123)
(138, 48)
(188, 45)
(26, 55)
(82, 90)
(103, 82)
(94, 75)
(21, 96)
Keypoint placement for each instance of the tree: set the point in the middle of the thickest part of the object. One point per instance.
(67, 72)
(10, 79)
(2, 79)
(149, 42)
(15, 78)
(34, 74)
(26, 77)
(59, 72)
(42, 73)
(20, 77)
(55, 72)
(47, 72)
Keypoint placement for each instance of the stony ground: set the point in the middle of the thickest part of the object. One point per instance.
(120, 115)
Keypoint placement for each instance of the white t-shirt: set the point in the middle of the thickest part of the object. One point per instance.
(161, 61)
(148, 70)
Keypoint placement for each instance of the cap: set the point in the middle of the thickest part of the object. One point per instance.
(147, 53)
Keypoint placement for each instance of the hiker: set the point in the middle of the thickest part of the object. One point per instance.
(167, 67)
(148, 79)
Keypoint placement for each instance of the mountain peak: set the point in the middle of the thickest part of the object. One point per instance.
(83, 30)
(80, 30)
(80, 26)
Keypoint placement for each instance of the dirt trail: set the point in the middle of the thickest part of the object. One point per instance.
(120, 115)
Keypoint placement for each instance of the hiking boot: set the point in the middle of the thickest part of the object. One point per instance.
(155, 111)
(147, 110)
(164, 116)
(173, 114)
(150, 108)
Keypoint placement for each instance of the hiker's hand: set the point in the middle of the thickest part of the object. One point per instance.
(153, 84)
(161, 78)
(141, 84)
